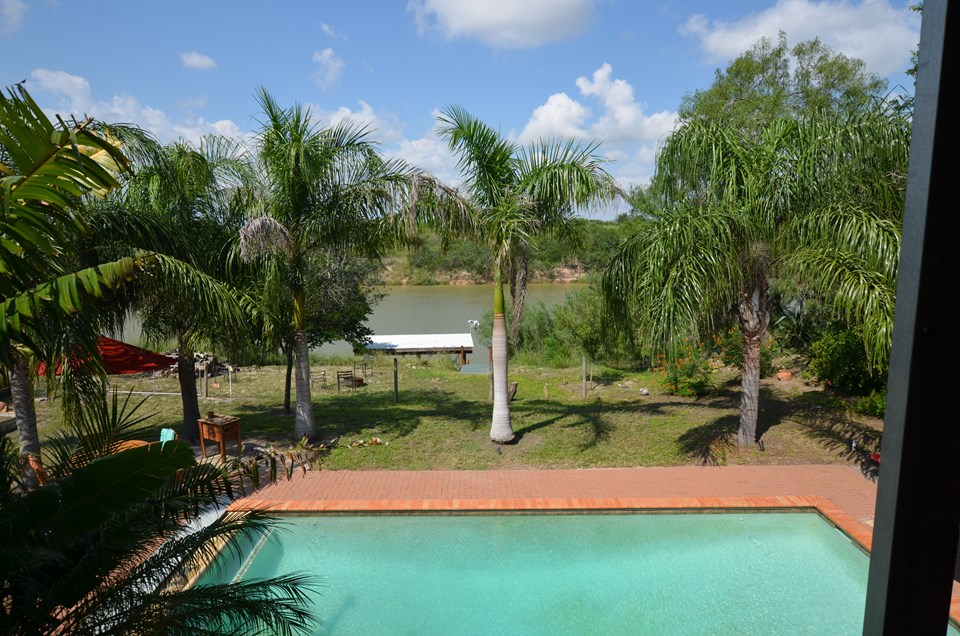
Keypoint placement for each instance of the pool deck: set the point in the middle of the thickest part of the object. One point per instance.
(839, 492)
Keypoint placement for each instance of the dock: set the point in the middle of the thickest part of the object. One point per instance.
(423, 344)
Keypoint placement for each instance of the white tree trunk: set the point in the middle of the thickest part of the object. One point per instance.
(303, 424)
(583, 359)
(500, 430)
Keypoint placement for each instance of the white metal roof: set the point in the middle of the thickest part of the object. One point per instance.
(422, 342)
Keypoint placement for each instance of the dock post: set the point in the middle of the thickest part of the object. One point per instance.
(396, 388)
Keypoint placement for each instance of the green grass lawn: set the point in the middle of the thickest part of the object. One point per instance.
(442, 419)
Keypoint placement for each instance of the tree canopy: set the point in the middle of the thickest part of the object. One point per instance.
(774, 80)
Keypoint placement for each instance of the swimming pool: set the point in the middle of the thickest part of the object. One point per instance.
(731, 573)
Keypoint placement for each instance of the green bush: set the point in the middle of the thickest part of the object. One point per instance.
(729, 347)
(687, 374)
(873, 405)
(839, 359)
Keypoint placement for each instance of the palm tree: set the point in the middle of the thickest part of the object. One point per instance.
(45, 170)
(740, 210)
(519, 193)
(194, 197)
(48, 285)
(107, 546)
(329, 188)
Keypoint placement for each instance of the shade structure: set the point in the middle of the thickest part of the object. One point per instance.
(119, 358)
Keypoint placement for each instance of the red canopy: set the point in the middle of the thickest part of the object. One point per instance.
(120, 358)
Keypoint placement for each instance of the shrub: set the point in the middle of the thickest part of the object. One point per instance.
(839, 358)
(687, 375)
(729, 343)
(873, 405)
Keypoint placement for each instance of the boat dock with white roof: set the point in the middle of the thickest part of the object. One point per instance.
(421, 344)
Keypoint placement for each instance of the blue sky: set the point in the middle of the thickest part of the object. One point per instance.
(611, 71)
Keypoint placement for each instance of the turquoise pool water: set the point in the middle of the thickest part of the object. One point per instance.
(770, 573)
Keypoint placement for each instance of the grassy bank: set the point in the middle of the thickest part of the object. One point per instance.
(442, 419)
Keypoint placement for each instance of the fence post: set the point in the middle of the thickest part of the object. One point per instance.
(396, 387)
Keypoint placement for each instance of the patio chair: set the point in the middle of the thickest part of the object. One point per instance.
(368, 362)
(346, 378)
(320, 376)
(167, 435)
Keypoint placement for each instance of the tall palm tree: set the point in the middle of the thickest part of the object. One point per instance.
(329, 188)
(741, 210)
(517, 194)
(194, 195)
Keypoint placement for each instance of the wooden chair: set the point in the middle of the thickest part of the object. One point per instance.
(319, 376)
(346, 378)
(368, 363)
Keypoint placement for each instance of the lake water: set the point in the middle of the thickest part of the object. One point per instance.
(415, 309)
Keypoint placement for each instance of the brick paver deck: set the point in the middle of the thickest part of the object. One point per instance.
(839, 492)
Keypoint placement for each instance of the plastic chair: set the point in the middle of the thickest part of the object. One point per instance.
(167, 435)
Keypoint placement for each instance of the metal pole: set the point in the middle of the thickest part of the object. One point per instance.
(917, 517)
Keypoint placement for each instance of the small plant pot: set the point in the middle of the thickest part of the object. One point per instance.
(784, 375)
(211, 415)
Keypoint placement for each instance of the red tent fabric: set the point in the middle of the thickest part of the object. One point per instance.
(120, 358)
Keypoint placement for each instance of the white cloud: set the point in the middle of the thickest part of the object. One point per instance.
(623, 118)
(72, 94)
(384, 127)
(431, 154)
(331, 32)
(73, 91)
(11, 15)
(192, 59)
(329, 67)
(627, 135)
(872, 30)
(506, 24)
(560, 116)
(193, 102)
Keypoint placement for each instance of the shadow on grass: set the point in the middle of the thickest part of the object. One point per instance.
(350, 413)
(822, 418)
(593, 416)
(709, 443)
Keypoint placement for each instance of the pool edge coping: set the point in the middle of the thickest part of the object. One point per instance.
(858, 532)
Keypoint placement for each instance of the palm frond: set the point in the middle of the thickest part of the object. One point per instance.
(676, 276)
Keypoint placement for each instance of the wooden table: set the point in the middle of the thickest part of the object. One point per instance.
(218, 429)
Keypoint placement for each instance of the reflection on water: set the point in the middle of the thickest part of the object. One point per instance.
(445, 309)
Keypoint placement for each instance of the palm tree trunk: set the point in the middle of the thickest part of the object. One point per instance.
(500, 430)
(187, 375)
(303, 424)
(753, 318)
(21, 392)
(518, 291)
(286, 384)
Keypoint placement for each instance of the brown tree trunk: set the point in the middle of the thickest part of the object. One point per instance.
(753, 318)
(21, 392)
(187, 375)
